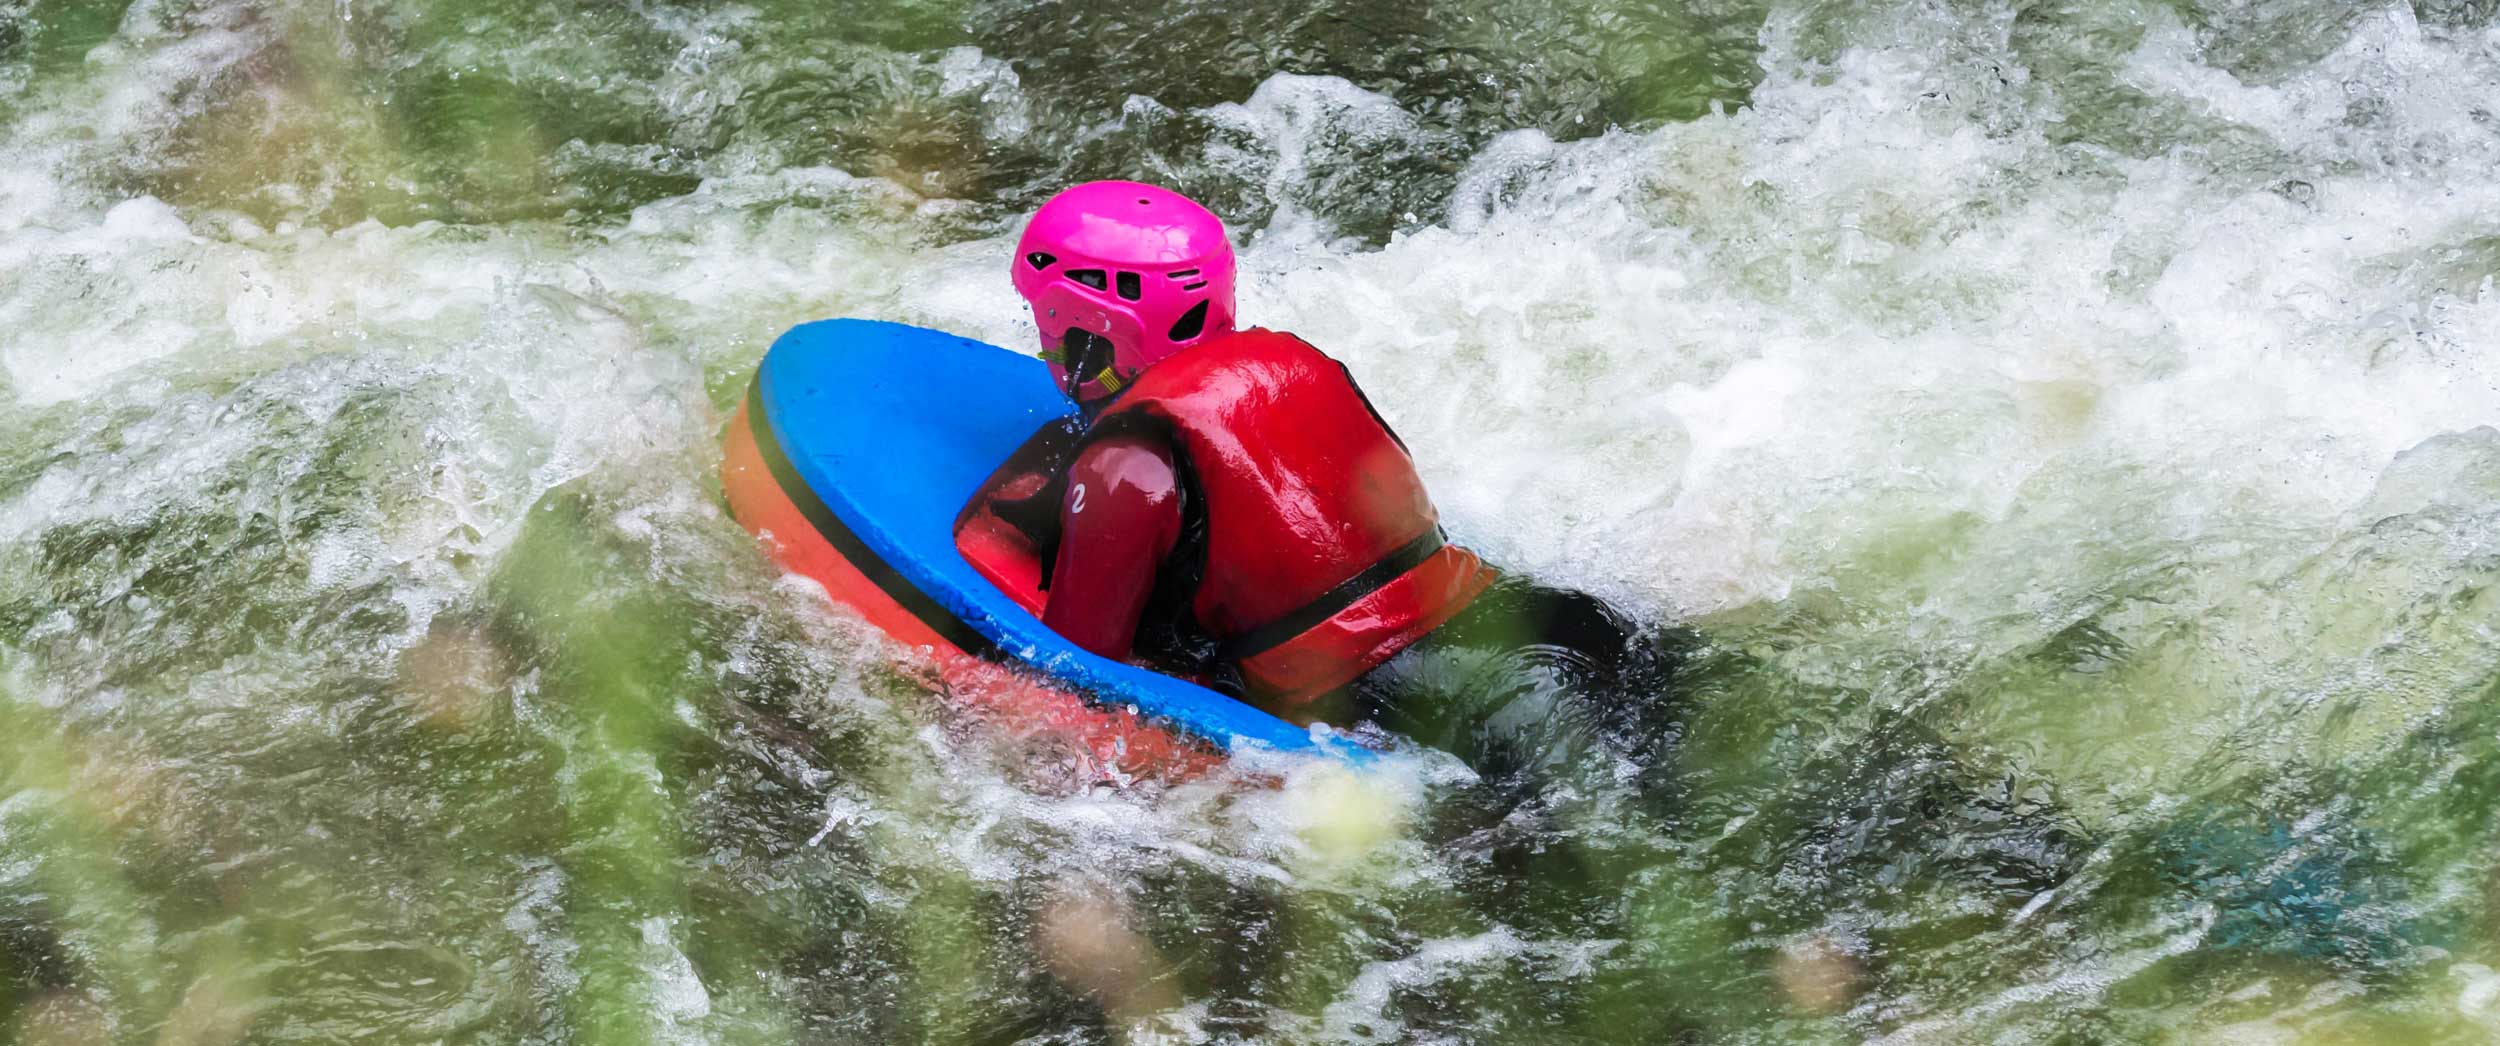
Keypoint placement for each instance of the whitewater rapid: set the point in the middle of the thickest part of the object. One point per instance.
(2109, 390)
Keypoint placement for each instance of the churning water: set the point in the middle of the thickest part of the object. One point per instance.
(2068, 424)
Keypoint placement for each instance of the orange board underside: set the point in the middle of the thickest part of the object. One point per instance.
(1117, 741)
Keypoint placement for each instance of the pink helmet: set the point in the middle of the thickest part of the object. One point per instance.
(1138, 266)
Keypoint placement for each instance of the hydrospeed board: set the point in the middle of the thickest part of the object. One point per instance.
(858, 444)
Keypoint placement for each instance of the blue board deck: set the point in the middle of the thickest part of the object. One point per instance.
(893, 428)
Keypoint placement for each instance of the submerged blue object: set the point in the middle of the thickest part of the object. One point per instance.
(852, 406)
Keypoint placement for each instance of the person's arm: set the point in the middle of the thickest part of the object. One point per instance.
(1118, 520)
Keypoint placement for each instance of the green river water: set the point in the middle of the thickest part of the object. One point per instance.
(2067, 425)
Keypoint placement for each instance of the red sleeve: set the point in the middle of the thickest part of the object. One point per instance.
(1120, 517)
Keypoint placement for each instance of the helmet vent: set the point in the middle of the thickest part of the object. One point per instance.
(1130, 288)
(1193, 286)
(1039, 259)
(1182, 274)
(1089, 277)
(1191, 324)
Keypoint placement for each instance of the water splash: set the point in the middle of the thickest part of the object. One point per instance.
(2065, 424)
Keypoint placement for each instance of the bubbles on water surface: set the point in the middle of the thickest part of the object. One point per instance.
(2060, 421)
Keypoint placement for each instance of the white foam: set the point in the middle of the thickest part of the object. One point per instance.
(1882, 338)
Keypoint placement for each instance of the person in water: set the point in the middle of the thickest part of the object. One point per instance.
(1227, 505)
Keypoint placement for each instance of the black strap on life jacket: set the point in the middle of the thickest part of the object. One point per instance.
(1334, 601)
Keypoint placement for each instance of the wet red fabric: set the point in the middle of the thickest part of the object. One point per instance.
(1340, 649)
(1117, 523)
(1008, 526)
(1303, 488)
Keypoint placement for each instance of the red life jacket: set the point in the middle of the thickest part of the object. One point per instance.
(1324, 556)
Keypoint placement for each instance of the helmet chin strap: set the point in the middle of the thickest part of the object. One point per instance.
(1083, 354)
